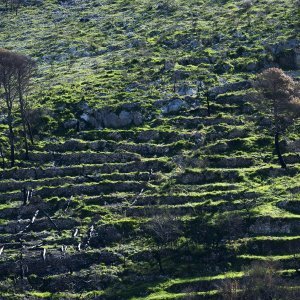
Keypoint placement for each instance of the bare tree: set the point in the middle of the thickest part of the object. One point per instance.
(2, 155)
(215, 232)
(24, 72)
(8, 84)
(229, 289)
(204, 92)
(163, 230)
(262, 281)
(15, 73)
(279, 99)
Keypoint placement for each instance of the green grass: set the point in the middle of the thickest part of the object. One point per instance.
(127, 52)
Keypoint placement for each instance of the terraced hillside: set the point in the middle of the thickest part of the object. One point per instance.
(153, 175)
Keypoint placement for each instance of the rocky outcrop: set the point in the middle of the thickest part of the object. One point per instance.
(82, 158)
(107, 117)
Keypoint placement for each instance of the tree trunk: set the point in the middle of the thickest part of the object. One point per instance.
(11, 142)
(23, 116)
(25, 141)
(2, 157)
(278, 152)
(174, 84)
(161, 270)
(208, 104)
(30, 132)
(158, 259)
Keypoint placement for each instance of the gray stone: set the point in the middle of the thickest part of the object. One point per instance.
(130, 114)
(70, 124)
(174, 106)
(125, 118)
(84, 106)
(111, 120)
(85, 117)
(137, 118)
(185, 90)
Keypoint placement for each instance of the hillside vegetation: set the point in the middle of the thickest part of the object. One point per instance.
(153, 172)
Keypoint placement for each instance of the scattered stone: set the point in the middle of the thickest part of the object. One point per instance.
(174, 105)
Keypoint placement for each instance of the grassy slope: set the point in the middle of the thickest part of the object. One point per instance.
(127, 42)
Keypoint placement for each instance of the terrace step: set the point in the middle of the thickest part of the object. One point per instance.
(139, 136)
(56, 263)
(172, 199)
(201, 284)
(272, 246)
(275, 226)
(68, 159)
(146, 150)
(208, 176)
(292, 206)
(8, 186)
(14, 227)
(179, 210)
(84, 169)
(188, 122)
(80, 189)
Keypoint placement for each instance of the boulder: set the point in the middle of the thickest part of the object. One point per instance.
(113, 120)
(185, 90)
(174, 105)
(126, 118)
(107, 117)
(85, 117)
